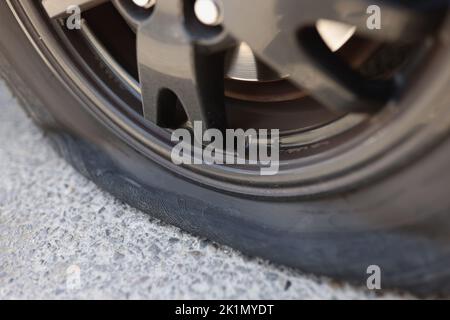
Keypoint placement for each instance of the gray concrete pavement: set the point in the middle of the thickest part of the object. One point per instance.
(61, 237)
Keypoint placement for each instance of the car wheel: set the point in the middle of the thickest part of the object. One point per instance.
(362, 113)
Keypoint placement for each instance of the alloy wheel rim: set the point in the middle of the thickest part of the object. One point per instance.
(219, 177)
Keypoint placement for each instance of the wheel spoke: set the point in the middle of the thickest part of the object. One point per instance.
(400, 20)
(170, 59)
(281, 34)
(58, 8)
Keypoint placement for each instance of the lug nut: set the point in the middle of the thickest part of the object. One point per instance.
(208, 12)
(146, 4)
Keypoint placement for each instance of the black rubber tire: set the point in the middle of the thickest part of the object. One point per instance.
(400, 223)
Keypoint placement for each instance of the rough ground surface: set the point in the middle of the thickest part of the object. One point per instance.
(61, 237)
